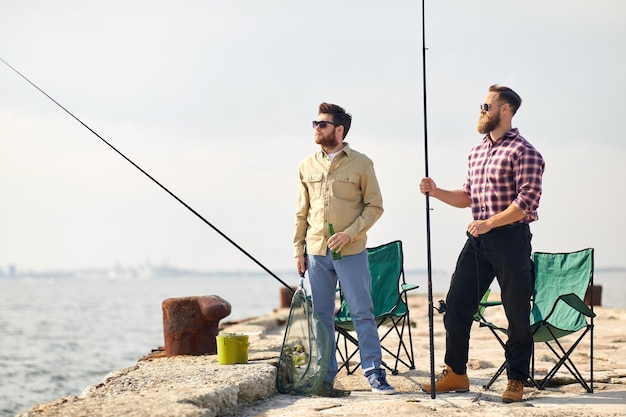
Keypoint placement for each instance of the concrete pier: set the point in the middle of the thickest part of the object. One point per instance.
(194, 386)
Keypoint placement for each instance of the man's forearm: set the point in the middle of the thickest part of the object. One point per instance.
(510, 215)
(455, 198)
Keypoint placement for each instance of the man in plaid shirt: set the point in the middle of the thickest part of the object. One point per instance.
(503, 188)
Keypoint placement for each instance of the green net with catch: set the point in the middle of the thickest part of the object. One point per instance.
(305, 354)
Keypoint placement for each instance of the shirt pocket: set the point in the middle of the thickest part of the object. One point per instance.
(314, 185)
(346, 186)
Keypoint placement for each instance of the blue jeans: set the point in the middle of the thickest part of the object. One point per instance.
(503, 253)
(352, 271)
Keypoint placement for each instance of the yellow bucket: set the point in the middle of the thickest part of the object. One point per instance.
(232, 348)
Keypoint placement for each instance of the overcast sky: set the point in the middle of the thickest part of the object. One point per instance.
(215, 99)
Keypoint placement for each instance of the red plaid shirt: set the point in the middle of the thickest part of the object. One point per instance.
(505, 172)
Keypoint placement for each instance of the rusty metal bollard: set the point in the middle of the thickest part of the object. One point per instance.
(190, 324)
(286, 296)
(597, 296)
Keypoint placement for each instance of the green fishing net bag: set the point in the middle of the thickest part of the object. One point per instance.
(305, 354)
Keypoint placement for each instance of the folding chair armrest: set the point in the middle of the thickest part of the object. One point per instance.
(485, 323)
(574, 302)
(490, 303)
(482, 306)
(482, 321)
(408, 287)
(577, 304)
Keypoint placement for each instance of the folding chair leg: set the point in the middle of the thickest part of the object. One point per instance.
(340, 351)
(409, 353)
(345, 355)
(502, 367)
(410, 361)
(495, 376)
(565, 360)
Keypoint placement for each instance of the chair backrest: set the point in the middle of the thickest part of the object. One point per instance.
(387, 273)
(556, 275)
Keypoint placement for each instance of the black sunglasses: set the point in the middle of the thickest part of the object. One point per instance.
(487, 107)
(322, 124)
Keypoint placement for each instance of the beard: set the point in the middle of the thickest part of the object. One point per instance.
(487, 124)
(327, 140)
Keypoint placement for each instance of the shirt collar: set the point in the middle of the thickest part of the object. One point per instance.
(346, 149)
(511, 134)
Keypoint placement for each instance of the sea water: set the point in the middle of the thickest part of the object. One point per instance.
(60, 335)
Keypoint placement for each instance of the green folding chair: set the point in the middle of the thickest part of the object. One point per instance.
(558, 310)
(561, 282)
(389, 296)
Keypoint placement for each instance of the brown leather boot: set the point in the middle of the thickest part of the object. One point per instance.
(448, 381)
(514, 391)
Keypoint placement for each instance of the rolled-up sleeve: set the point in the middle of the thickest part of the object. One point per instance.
(528, 176)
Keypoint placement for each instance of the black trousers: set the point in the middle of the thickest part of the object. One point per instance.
(503, 253)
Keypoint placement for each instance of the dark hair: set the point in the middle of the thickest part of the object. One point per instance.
(507, 95)
(339, 115)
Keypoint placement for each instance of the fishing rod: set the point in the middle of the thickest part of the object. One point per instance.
(152, 178)
(428, 248)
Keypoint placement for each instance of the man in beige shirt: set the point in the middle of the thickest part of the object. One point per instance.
(338, 186)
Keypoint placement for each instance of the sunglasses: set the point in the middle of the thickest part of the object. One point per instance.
(322, 124)
(487, 107)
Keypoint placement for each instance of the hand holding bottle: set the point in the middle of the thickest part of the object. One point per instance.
(335, 253)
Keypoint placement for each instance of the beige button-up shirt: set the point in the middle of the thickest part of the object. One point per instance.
(343, 192)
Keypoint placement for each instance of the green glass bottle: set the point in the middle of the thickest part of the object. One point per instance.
(336, 255)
